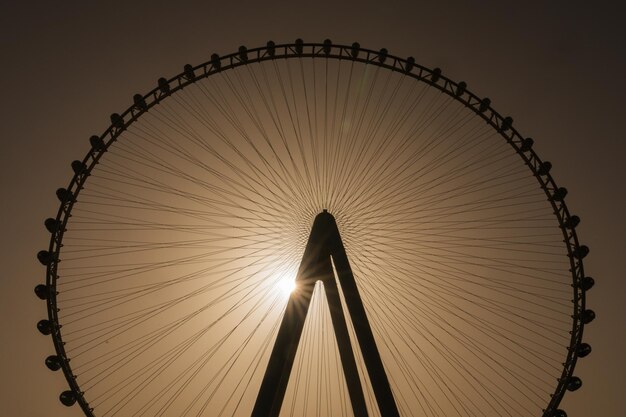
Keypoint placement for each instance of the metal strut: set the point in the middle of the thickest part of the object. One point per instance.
(324, 243)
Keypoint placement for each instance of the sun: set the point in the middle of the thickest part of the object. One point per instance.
(285, 279)
(286, 285)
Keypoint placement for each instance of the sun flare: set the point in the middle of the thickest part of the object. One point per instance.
(286, 285)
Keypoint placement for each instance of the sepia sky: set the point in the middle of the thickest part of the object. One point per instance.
(556, 68)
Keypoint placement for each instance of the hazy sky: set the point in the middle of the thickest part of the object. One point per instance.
(557, 69)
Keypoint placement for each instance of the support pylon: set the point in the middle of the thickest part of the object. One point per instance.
(325, 243)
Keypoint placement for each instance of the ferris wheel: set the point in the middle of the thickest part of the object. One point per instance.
(314, 229)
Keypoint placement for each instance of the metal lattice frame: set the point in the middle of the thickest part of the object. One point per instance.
(433, 77)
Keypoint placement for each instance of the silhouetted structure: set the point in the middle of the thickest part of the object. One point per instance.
(325, 244)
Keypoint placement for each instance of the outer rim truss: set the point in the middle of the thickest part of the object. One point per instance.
(299, 49)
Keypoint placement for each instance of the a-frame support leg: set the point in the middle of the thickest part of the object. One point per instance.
(348, 362)
(323, 243)
(367, 344)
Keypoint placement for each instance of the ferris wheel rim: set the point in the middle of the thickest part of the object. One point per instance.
(300, 50)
